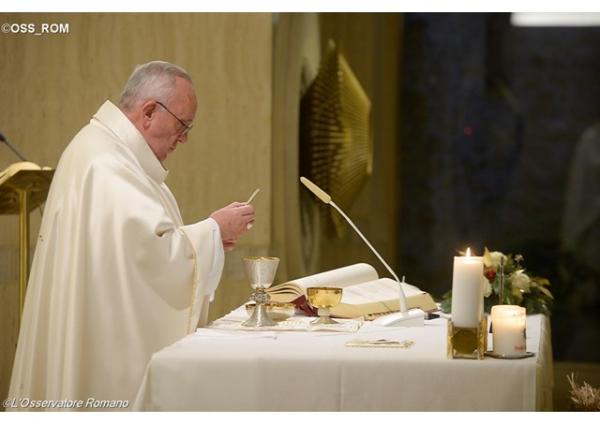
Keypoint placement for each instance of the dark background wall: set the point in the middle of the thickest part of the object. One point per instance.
(491, 116)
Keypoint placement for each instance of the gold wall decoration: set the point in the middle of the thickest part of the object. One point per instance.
(336, 148)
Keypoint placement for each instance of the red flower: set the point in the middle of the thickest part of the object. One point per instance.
(490, 273)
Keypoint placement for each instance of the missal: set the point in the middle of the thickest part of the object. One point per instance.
(364, 293)
(13, 168)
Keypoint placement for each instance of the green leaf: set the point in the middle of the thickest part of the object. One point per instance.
(446, 305)
(545, 291)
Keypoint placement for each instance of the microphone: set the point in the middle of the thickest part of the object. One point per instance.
(405, 316)
(5, 141)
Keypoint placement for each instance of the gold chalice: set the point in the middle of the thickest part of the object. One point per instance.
(324, 298)
(261, 272)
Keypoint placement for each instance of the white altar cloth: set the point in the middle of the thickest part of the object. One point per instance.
(225, 370)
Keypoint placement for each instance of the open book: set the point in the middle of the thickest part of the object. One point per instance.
(13, 168)
(364, 293)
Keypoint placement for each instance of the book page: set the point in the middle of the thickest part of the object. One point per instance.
(340, 277)
(376, 291)
(13, 168)
(374, 298)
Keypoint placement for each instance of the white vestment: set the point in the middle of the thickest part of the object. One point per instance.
(116, 276)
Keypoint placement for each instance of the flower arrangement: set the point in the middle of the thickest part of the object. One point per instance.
(520, 288)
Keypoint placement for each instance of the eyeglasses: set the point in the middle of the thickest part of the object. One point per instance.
(185, 127)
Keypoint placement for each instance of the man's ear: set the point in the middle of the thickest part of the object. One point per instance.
(148, 109)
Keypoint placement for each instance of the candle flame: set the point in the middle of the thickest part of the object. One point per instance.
(468, 252)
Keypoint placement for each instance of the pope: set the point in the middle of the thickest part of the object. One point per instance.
(116, 275)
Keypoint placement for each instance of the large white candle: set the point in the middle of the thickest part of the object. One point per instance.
(467, 291)
(508, 323)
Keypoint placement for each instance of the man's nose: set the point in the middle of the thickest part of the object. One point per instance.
(183, 138)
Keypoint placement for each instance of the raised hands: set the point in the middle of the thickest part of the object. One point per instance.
(234, 220)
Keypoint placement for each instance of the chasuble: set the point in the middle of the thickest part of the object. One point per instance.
(116, 276)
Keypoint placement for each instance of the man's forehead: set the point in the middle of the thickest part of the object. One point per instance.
(185, 90)
(184, 83)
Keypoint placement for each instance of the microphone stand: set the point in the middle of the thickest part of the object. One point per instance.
(406, 317)
(16, 152)
(403, 307)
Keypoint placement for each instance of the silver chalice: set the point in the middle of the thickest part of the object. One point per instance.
(261, 272)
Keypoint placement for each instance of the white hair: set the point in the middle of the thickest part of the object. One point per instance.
(152, 80)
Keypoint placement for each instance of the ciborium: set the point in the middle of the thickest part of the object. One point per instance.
(324, 298)
(260, 271)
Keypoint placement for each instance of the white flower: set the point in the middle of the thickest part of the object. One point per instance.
(520, 281)
(487, 287)
(517, 294)
(492, 259)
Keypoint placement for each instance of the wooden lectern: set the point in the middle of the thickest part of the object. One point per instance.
(23, 187)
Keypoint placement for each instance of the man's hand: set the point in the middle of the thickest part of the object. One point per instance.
(234, 220)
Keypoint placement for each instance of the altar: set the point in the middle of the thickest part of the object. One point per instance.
(219, 369)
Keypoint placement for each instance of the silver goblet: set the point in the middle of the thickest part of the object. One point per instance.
(261, 272)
